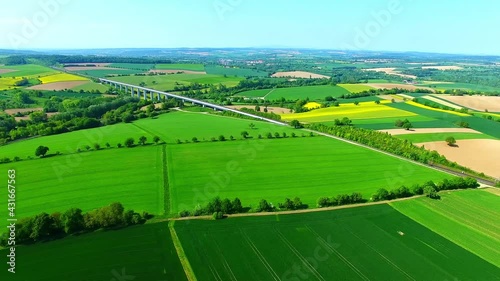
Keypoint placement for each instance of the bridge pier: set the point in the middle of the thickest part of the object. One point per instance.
(151, 95)
(144, 94)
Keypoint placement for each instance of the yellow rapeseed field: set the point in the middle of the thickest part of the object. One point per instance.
(436, 109)
(61, 77)
(363, 110)
(312, 105)
(8, 82)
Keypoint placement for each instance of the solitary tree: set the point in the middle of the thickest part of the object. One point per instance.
(296, 124)
(244, 134)
(356, 102)
(129, 142)
(257, 108)
(252, 126)
(97, 146)
(407, 125)
(451, 141)
(142, 140)
(41, 151)
(156, 139)
(222, 138)
(108, 145)
(377, 102)
(194, 139)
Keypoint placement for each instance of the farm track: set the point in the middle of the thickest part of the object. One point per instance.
(299, 211)
(188, 270)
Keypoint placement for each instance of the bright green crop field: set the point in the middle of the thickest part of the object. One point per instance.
(293, 93)
(181, 66)
(87, 180)
(480, 124)
(416, 138)
(137, 66)
(26, 70)
(273, 169)
(355, 88)
(71, 142)
(168, 82)
(241, 72)
(468, 218)
(90, 86)
(101, 73)
(365, 243)
(143, 252)
(186, 125)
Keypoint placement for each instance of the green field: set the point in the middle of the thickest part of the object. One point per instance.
(309, 168)
(136, 66)
(241, 72)
(168, 82)
(255, 93)
(416, 138)
(468, 218)
(101, 73)
(294, 93)
(462, 86)
(91, 86)
(480, 124)
(181, 66)
(26, 70)
(355, 88)
(143, 252)
(89, 180)
(70, 142)
(349, 244)
(186, 125)
(364, 110)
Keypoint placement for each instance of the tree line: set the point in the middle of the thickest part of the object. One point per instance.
(43, 227)
(429, 189)
(219, 207)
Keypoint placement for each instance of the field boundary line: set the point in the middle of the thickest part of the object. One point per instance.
(260, 256)
(264, 97)
(338, 254)
(188, 270)
(304, 210)
(166, 185)
(299, 255)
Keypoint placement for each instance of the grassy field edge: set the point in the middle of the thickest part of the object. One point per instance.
(188, 270)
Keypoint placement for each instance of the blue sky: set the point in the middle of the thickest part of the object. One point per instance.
(445, 26)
